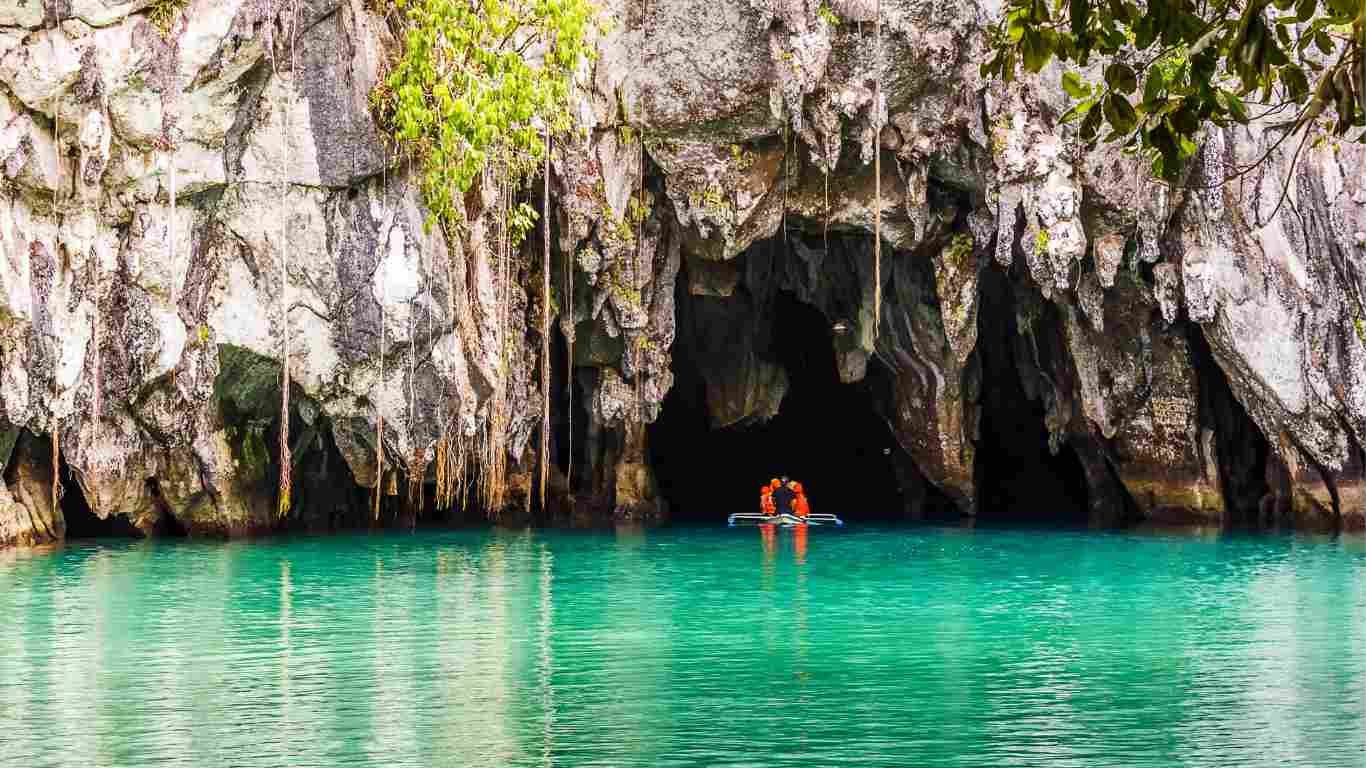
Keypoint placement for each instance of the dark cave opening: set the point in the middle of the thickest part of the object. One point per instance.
(826, 434)
(81, 520)
(1241, 450)
(1018, 480)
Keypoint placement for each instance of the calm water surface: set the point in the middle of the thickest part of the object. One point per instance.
(688, 647)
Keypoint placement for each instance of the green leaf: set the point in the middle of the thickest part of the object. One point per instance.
(1120, 114)
(1296, 83)
(1325, 44)
(1015, 27)
(1034, 50)
(1236, 108)
(1121, 77)
(1073, 85)
(1080, 14)
(1090, 125)
(1146, 30)
(1078, 110)
(1154, 85)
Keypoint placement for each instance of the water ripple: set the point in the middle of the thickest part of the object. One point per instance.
(913, 647)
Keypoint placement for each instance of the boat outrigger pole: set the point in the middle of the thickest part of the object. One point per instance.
(757, 518)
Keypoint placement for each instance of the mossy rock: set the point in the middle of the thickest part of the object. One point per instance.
(8, 437)
(597, 348)
(247, 386)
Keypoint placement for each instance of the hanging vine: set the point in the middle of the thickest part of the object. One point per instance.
(636, 282)
(877, 169)
(462, 97)
(379, 406)
(286, 459)
(468, 109)
(56, 187)
(569, 333)
(545, 321)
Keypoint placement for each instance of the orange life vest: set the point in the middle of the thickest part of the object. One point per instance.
(800, 505)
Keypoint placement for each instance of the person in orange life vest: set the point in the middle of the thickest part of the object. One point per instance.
(766, 499)
(783, 496)
(800, 506)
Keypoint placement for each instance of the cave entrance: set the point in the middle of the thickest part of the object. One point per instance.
(1019, 482)
(81, 521)
(826, 434)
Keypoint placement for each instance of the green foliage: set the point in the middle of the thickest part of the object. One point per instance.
(744, 159)
(827, 15)
(612, 230)
(463, 95)
(618, 287)
(711, 197)
(959, 249)
(1197, 63)
(163, 14)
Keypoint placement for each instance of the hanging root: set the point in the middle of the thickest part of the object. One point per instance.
(286, 460)
(56, 466)
(877, 176)
(569, 366)
(445, 491)
(97, 399)
(417, 469)
(379, 411)
(379, 463)
(825, 225)
(545, 323)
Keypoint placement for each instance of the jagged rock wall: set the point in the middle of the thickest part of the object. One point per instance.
(1200, 349)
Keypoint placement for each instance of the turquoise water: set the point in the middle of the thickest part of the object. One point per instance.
(688, 647)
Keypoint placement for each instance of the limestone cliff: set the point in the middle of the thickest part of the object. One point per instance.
(1201, 351)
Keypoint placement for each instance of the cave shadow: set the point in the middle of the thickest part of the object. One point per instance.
(1019, 481)
(826, 434)
(82, 522)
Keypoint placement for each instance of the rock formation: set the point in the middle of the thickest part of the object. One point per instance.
(1201, 350)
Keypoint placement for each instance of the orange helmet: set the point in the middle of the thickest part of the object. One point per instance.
(775, 484)
(796, 487)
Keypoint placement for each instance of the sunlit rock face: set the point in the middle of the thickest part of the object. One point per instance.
(176, 203)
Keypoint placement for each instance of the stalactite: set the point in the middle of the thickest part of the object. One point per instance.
(877, 171)
(545, 321)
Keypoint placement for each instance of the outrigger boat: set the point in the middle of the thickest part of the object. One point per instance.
(758, 518)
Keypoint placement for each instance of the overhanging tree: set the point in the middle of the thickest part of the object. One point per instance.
(1170, 68)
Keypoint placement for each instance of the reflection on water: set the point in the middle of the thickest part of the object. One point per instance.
(773, 646)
